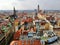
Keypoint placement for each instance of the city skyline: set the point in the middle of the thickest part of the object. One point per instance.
(29, 4)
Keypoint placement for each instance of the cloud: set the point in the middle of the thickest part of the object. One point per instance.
(49, 4)
(5, 4)
(26, 4)
(19, 4)
(29, 4)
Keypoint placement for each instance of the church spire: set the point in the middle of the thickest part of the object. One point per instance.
(14, 11)
(38, 8)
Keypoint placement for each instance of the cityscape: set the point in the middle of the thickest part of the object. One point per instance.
(29, 27)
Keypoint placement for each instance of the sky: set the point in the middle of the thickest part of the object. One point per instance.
(29, 4)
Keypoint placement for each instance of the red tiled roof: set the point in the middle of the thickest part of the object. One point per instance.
(27, 20)
(17, 20)
(58, 18)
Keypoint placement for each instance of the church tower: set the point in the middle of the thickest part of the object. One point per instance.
(38, 8)
(14, 13)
